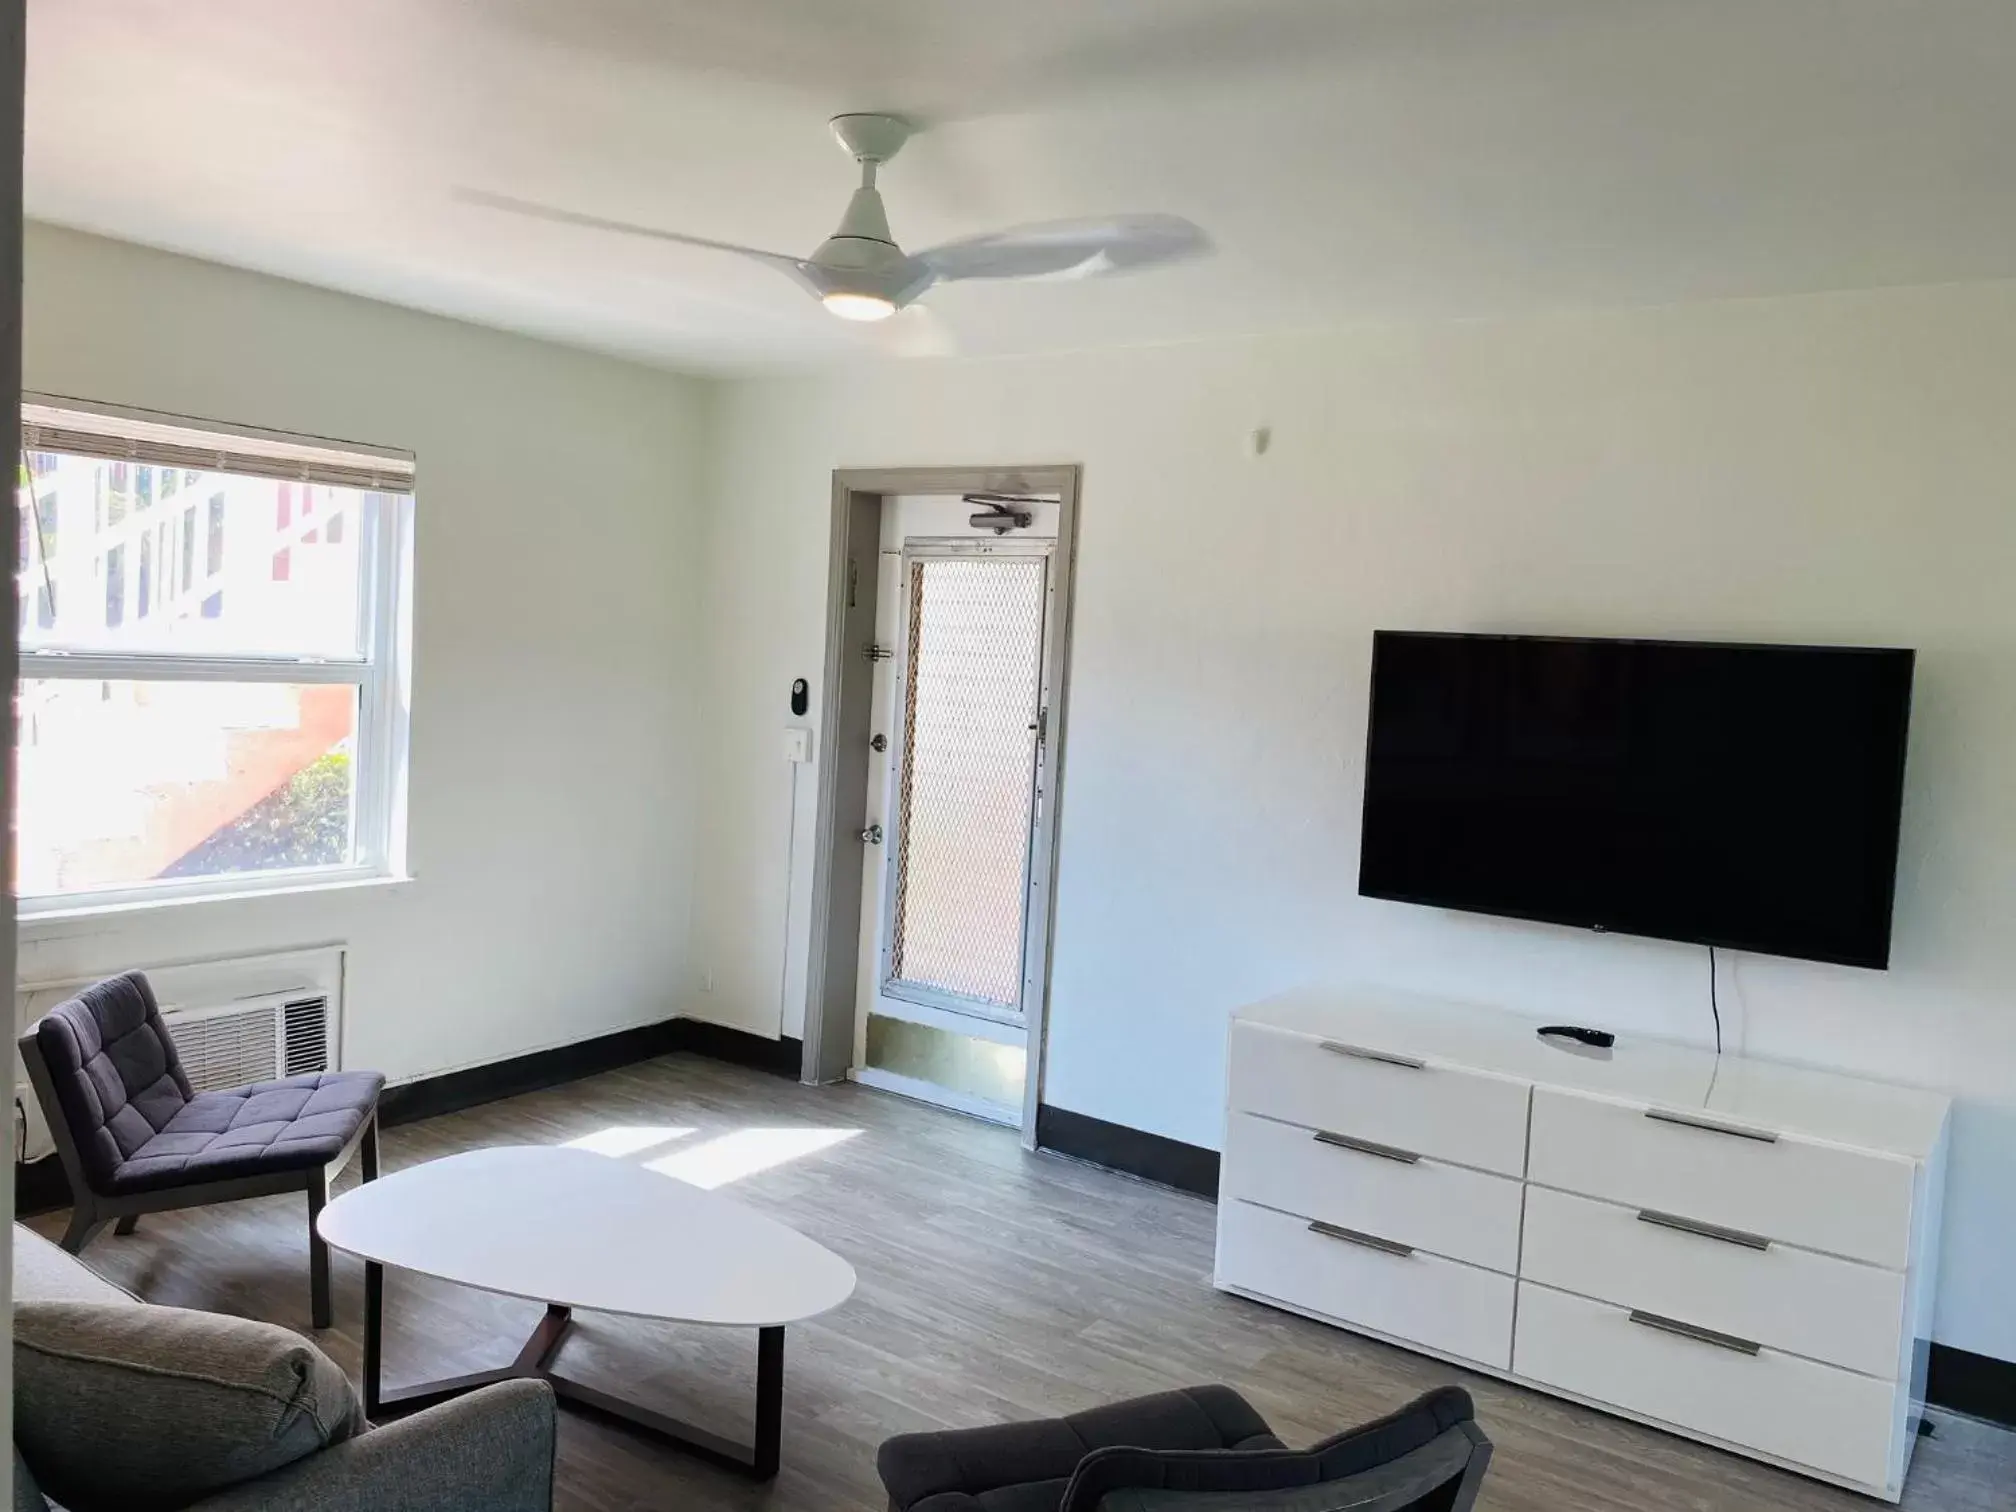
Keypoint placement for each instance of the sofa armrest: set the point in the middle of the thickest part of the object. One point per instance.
(489, 1451)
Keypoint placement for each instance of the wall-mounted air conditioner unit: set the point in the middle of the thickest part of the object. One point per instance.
(235, 1020)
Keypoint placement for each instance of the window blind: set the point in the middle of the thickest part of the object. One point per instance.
(165, 441)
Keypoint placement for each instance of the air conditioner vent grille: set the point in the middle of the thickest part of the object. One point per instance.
(305, 1036)
(225, 1049)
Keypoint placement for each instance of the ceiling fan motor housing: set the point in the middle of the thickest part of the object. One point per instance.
(862, 257)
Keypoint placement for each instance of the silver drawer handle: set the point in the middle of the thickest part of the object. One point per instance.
(1384, 1057)
(1695, 1332)
(1366, 1147)
(1366, 1241)
(1689, 1120)
(1705, 1230)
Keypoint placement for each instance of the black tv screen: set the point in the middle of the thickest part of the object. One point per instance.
(1744, 796)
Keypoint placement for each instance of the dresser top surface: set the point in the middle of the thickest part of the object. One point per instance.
(1640, 1069)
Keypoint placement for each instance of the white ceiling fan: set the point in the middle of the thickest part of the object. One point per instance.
(860, 273)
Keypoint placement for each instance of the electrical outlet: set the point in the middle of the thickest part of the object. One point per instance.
(707, 980)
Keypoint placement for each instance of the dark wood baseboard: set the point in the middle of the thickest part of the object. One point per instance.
(453, 1091)
(40, 1186)
(431, 1096)
(780, 1057)
(1979, 1385)
(1152, 1157)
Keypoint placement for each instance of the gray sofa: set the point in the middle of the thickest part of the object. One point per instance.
(153, 1409)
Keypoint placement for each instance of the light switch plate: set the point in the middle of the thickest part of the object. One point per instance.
(797, 743)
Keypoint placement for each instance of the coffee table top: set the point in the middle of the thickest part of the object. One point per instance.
(577, 1229)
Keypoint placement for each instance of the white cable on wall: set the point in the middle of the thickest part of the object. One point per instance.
(790, 866)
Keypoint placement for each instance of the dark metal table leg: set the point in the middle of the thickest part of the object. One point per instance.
(769, 1403)
(545, 1342)
(759, 1459)
(374, 1334)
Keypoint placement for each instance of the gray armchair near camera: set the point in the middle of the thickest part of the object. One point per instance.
(124, 1407)
(1201, 1449)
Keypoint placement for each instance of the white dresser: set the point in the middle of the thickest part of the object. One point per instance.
(1736, 1250)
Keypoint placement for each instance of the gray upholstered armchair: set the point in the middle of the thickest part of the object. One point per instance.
(1201, 1449)
(134, 1137)
(124, 1407)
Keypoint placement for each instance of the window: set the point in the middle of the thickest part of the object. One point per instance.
(41, 551)
(115, 587)
(189, 723)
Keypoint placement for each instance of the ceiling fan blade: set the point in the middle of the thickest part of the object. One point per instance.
(1070, 248)
(796, 267)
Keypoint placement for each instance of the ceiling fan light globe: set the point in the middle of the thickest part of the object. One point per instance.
(850, 306)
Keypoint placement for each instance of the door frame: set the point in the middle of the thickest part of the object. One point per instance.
(846, 709)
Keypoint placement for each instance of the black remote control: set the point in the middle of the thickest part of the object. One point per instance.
(1602, 1039)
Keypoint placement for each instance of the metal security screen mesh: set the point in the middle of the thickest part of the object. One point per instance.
(969, 756)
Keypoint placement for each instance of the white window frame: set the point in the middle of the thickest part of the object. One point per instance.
(379, 672)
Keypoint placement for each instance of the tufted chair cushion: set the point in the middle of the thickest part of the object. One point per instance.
(291, 1125)
(118, 1080)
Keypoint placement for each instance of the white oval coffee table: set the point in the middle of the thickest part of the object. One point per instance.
(574, 1229)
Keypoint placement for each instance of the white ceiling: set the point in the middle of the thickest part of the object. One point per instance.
(1353, 159)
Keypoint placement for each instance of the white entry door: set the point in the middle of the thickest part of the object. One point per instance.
(949, 946)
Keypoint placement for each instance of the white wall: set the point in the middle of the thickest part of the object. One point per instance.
(555, 612)
(1834, 468)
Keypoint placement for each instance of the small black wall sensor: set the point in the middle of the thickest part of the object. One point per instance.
(801, 696)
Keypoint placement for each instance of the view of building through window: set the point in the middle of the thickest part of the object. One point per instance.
(167, 725)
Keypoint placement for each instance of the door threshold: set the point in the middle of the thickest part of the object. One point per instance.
(937, 1096)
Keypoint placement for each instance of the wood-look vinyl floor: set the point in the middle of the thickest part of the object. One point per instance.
(994, 1284)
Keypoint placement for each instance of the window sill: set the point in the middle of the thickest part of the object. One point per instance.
(87, 918)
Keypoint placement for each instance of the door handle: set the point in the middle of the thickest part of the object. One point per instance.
(872, 835)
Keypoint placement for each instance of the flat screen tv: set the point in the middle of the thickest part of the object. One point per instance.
(1742, 796)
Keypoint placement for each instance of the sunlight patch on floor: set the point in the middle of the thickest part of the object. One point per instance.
(729, 1157)
(626, 1139)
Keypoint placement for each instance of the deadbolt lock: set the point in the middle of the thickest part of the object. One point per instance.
(872, 835)
(879, 743)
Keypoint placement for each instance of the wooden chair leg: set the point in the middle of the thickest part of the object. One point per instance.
(126, 1225)
(369, 1151)
(318, 1252)
(84, 1224)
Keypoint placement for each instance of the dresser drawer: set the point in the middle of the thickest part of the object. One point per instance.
(1448, 1210)
(1838, 1311)
(1442, 1305)
(1821, 1196)
(1778, 1404)
(1463, 1117)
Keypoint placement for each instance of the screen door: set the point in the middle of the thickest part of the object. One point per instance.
(970, 719)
